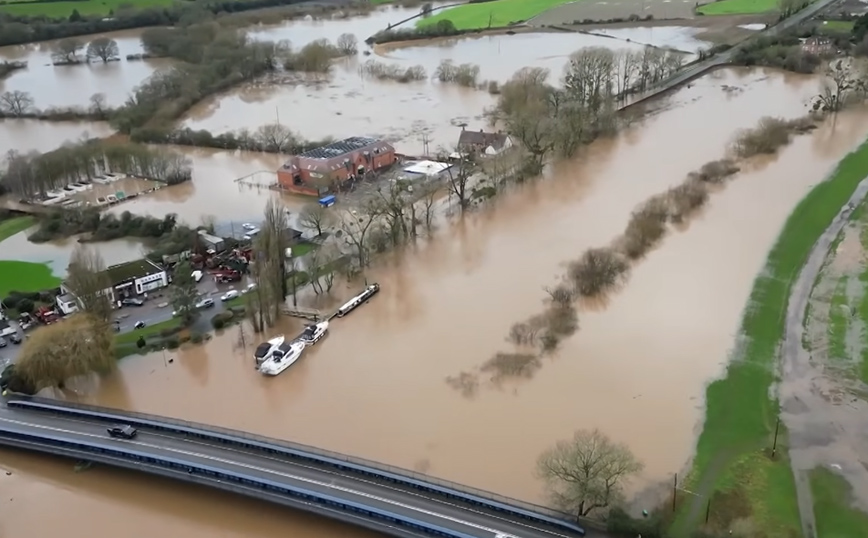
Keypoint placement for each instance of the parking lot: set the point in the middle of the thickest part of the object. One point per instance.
(156, 309)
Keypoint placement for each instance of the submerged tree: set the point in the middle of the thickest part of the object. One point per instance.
(184, 293)
(586, 472)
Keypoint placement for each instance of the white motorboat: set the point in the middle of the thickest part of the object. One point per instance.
(314, 333)
(264, 350)
(282, 358)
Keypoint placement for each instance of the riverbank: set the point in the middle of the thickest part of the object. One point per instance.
(733, 467)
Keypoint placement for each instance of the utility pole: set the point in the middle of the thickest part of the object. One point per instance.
(775, 442)
(674, 491)
(425, 141)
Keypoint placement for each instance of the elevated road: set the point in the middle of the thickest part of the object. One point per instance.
(397, 505)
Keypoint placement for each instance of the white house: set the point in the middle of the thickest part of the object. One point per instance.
(128, 280)
(484, 143)
(67, 303)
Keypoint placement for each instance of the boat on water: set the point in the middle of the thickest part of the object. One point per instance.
(314, 333)
(264, 350)
(282, 358)
(358, 300)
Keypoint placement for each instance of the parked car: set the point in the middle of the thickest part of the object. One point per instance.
(15, 338)
(2, 342)
(132, 302)
(229, 295)
(122, 431)
(139, 325)
(205, 303)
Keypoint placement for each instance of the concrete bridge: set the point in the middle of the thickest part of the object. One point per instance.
(392, 501)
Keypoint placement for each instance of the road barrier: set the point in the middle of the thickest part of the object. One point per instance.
(187, 470)
(350, 465)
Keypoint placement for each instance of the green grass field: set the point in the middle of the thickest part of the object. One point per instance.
(832, 510)
(25, 276)
(732, 452)
(491, 14)
(89, 7)
(840, 27)
(739, 7)
(839, 319)
(10, 227)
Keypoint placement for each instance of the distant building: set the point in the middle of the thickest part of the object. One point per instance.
(817, 45)
(483, 143)
(318, 170)
(212, 242)
(128, 280)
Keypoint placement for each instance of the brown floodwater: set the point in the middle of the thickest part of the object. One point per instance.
(375, 386)
(349, 104)
(73, 85)
(42, 136)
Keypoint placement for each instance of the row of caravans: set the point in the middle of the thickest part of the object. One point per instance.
(61, 197)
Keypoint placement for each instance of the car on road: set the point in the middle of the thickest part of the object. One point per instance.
(205, 303)
(248, 226)
(122, 431)
(139, 325)
(2, 342)
(132, 302)
(15, 338)
(229, 295)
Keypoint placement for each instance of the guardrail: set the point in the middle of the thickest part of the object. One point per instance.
(527, 511)
(184, 469)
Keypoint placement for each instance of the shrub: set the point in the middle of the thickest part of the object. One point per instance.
(197, 338)
(685, 199)
(504, 365)
(769, 135)
(172, 343)
(217, 322)
(646, 228)
(383, 71)
(620, 523)
(140, 343)
(715, 171)
(25, 305)
(597, 271)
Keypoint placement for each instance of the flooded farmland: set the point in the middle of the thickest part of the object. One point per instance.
(375, 387)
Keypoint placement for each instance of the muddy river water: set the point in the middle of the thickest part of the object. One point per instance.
(375, 387)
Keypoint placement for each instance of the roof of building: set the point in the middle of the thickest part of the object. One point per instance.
(481, 138)
(341, 147)
(132, 270)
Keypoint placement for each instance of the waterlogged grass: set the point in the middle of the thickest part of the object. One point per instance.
(495, 14)
(10, 227)
(738, 7)
(840, 27)
(25, 276)
(58, 10)
(832, 507)
(149, 331)
(741, 412)
(839, 320)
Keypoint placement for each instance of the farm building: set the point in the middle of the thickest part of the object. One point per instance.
(318, 170)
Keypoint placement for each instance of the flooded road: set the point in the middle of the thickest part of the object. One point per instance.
(375, 386)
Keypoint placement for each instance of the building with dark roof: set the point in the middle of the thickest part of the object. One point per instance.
(319, 170)
(128, 280)
(483, 143)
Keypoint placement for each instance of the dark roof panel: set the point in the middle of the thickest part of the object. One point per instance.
(341, 147)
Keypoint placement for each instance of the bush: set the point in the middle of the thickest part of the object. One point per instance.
(715, 171)
(646, 228)
(25, 305)
(620, 523)
(597, 271)
(217, 322)
(685, 199)
(383, 71)
(141, 343)
(769, 135)
(197, 338)
(172, 343)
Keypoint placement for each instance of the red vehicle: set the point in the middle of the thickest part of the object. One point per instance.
(46, 315)
(224, 275)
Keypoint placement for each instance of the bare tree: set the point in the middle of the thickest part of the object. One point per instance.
(98, 105)
(459, 176)
(348, 45)
(54, 354)
(840, 87)
(89, 282)
(586, 472)
(588, 76)
(271, 250)
(316, 218)
(103, 48)
(66, 51)
(356, 224)
(184, 293)
(787, 8)
(274, 137)
(16, 103)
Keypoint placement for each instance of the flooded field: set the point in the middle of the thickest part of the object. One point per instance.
(78, 82)
(375, 387)
(32, 135)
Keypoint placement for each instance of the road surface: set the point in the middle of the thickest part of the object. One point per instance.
(404, 501)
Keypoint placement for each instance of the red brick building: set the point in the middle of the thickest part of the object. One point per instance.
(319, 170)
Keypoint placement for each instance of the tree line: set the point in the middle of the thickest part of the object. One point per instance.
(20, 29)
(32, 175)
(269, 138)
(73, 51)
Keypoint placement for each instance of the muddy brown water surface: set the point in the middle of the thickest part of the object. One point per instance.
(375, 386)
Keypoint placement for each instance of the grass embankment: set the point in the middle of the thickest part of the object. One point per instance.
(732, 464)
(18, 275)
(149, 331)
(738, 7)
(839, 319)
(495, 14)
(85, 7)
(832, 507)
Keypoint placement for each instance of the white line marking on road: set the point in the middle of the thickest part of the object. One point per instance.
(272, 472)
